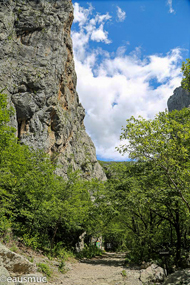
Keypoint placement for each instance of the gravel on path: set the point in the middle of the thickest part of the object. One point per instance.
(104, 270)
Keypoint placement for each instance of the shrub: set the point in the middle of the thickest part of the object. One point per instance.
(44, 268)
(61, 267)
(14, 248)
(32, 242)
(89, 252)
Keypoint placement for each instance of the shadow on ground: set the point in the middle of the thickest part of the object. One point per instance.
(107, 259)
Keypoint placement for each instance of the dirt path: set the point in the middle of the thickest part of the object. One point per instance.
(104, 270)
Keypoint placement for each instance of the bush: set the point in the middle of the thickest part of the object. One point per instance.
(44, 268)
(89, 252)
(32, 242)
(61, 267)
(61, 252)
(14, 248)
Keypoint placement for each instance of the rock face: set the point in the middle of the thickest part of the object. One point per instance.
(14, 262)
(38, 72)
(179, 100)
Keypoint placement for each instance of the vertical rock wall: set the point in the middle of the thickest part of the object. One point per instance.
(38, 72)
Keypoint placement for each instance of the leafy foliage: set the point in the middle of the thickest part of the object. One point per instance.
(165, 142)
(40, 207)
(89, 252)
(6, 132)
(147, 199)
(44, 268)
(62, 267)
(186, 75)
(143, 208)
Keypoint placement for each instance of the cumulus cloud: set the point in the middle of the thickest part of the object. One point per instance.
(99, 35)
(121, 15)
(169, 3)
(81, 14)
(113, 87)
(90, 28)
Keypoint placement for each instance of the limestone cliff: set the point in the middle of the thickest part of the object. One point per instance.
(38, 72)
(179, 100)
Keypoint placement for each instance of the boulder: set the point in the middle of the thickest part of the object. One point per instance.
(14, 262)
(80, 245)
(4, 275)
(181, 277)
(153, 273)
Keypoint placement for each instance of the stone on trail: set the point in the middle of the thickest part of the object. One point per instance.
(181, 277)
(153, 273)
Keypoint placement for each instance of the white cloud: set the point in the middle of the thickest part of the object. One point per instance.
(102, 18)
(112, 88)
(89, 28)
(99, 35)
(81, 14)
(121, 15)
(169, 3)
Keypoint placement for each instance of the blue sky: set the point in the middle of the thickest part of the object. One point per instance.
(128, 56)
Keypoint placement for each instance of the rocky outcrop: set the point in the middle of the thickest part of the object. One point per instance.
(14, 262)
(38, 72)
(153, 274)
(179, 100)
(5, 276)
(80, 245)
(180, 277)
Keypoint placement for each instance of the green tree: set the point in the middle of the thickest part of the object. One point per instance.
(7, 139)
(6, 132)
(39, 206)
(145, 214)
(185, 83)
(154, 198)
(165, 142)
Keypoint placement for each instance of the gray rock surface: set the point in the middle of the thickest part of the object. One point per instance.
(4, 275)
(14, 262)
(179, 100)
(181, 277)
(153, 273)
(37, 69)
(80, 245)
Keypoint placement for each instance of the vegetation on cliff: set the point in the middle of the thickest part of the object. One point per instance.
(186, 74)
(41, 208)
